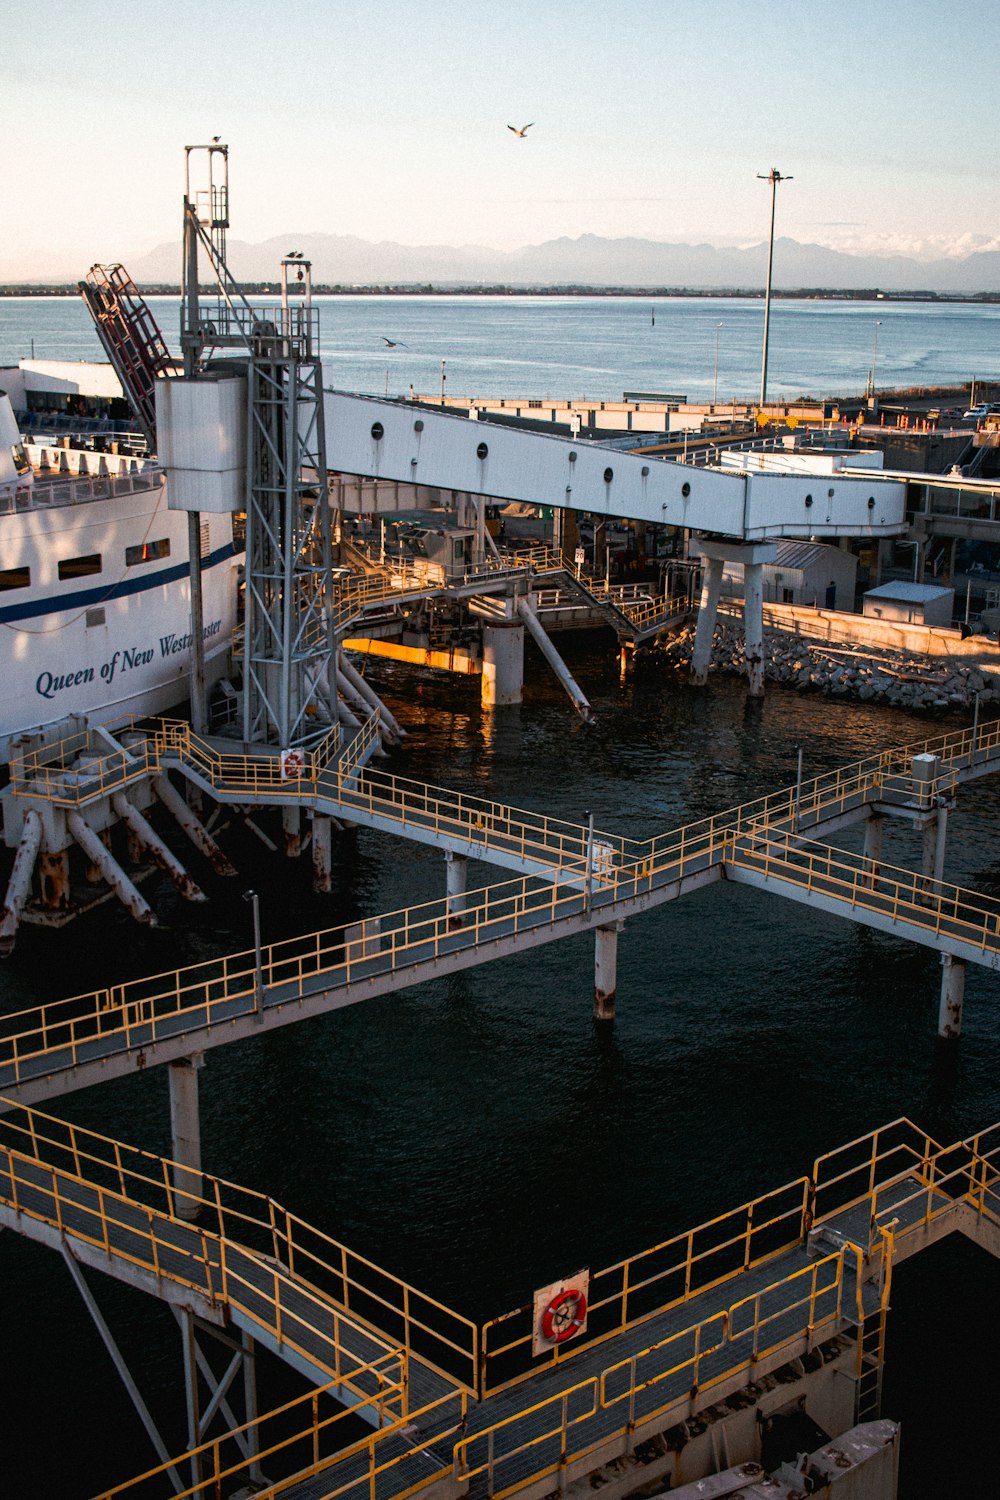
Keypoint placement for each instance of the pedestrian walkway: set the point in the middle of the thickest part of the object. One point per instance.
(578, 880)
(471, 1409)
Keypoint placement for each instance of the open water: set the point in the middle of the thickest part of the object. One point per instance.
(476, 1134)
(591, 346)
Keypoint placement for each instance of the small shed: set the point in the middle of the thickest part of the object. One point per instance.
(808, 573)
(911, 603)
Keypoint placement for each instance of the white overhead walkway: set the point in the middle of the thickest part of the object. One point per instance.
(397, 442)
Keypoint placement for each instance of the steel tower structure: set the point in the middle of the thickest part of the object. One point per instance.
(289, 671)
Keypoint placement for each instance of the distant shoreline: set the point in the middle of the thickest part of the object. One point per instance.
(428, 289)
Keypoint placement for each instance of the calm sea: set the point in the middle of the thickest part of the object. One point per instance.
(476, 1134)
(591, 346)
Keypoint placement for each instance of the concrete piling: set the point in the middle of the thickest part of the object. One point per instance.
(952, 997)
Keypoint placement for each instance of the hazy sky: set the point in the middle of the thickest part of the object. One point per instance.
(388, 120)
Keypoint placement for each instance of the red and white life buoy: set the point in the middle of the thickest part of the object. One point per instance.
(564, 1316)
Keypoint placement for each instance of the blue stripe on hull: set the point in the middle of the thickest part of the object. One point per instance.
(83, 598)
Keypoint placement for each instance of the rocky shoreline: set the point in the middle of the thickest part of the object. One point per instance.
(903, 678)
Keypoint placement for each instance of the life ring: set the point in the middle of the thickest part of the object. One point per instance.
(564, 1316)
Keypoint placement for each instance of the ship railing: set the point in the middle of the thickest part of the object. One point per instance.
(305, 1435)
(50, 495)
(239, 1233)
(137, 1209)
(544, 1440)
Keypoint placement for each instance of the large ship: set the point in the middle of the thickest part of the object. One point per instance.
(94, 583)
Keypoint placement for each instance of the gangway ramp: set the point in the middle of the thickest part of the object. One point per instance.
(393, 440)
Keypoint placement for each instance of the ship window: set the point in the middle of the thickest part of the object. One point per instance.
(80, 567)
(145, 552)
(95, 617)
(21, 461)
(15, 578)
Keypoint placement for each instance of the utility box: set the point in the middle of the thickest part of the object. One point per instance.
(201, 432)
(911, 603)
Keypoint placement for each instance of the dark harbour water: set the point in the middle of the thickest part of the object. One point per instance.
(476, 1134)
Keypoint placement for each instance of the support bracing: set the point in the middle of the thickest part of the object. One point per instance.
(111, 872)
(19, 884)
(119, 1363)
(192, 825)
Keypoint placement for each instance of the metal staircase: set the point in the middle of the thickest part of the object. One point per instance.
(131, 338)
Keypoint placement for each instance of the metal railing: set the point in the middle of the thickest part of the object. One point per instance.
(646, 1385)
(239, 1233)
(920, 901)
(645, 1285)
(51, 494)
(310, 1447)
(126, 1202)
(72, 770)
(150, 1237)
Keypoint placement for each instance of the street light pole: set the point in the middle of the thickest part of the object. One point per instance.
(773, 177)
(874, 401)
(715, 378)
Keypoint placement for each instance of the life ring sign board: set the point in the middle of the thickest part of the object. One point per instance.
(560, 1313)
(293, 764)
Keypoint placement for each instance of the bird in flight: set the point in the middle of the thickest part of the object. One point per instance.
(294, 255)
(394, 343)
(522, 133)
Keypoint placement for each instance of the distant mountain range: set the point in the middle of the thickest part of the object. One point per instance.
(345, 260)
(588, 261)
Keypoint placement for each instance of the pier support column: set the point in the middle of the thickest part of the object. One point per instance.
(704, 629)
(185, 1134)
(321, 853)
(751, 556)
(503, 665)
(952, 996)
(53, 878)
(753, 627)
(291, 825)
(874, 828)
(456, 875)
(606, 970)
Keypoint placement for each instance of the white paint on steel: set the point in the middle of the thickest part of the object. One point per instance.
(396, 441)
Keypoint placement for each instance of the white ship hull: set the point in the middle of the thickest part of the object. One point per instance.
(95, 604)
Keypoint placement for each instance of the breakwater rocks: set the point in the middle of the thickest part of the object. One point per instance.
(935, 684)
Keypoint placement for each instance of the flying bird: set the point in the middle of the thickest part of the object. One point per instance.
(394, 343)
(294, 255)
(216, 139)
(522, 133)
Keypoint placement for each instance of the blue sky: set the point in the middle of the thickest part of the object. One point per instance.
(388, 121)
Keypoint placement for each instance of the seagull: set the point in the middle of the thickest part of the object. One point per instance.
(522, 133)
(394, 343)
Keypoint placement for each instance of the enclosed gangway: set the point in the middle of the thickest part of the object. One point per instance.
(398, 442)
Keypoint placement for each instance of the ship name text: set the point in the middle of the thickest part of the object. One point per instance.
(48, 684)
